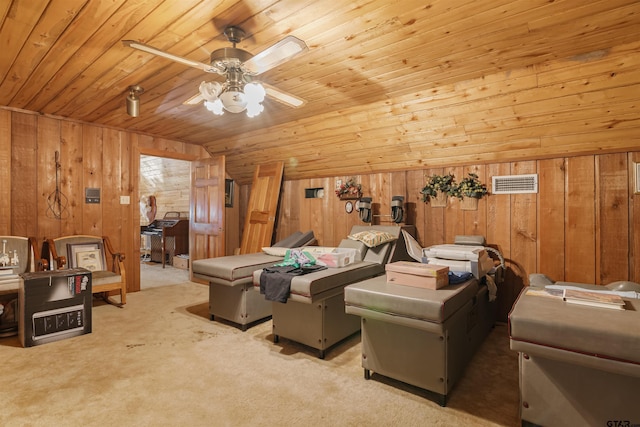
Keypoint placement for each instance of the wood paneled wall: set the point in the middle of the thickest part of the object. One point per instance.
(90, 156)
(581, 226)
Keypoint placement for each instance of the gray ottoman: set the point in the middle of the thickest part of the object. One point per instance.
(422, 337)
(578, 365)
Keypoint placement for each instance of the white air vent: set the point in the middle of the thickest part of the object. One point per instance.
(514, 184)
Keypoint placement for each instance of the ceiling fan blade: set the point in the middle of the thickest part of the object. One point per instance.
(275, 55)
(152, 50)
(283, 97)
(194, 100)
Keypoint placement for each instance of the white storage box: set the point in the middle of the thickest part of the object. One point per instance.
(333, 257)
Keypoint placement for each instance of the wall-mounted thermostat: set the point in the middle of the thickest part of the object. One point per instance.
(92, 195)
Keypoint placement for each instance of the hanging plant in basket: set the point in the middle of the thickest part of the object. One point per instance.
(349, 190)
(437, 189)
(469, 191)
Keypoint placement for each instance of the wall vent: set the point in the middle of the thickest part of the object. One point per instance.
(515, 184)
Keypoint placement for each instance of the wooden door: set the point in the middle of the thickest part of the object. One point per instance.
(206, 229)
(261, 211)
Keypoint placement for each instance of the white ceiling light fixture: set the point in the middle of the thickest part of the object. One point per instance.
(221, 97)
(239, 92)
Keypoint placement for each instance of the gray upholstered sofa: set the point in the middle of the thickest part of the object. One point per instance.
(314, 314)
(578, 365)
(231, 292)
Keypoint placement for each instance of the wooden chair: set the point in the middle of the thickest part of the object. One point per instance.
(90, 252)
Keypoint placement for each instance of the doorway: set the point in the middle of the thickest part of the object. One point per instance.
(164, 193)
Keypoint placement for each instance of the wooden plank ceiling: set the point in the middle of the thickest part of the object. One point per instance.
(65, 58)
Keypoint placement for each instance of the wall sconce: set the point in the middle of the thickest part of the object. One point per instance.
(364, 209)
(133, 100)
(397, 209)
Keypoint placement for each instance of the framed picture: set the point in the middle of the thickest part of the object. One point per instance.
(91, 260)
(228, 193)
(90, 252)
(636, 168)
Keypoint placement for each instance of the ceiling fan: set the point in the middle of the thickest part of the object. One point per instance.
(239, 92)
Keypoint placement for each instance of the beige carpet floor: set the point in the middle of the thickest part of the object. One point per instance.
(152, 275)
(160, 361)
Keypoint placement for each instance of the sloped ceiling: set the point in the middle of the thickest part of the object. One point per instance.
(65, 58)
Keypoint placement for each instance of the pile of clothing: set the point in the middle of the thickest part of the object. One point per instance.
(275, 281)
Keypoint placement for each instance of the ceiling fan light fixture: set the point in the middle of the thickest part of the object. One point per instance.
(210, 90)
(254, 109)
(255, 93)
(233, 100)
(215, 107)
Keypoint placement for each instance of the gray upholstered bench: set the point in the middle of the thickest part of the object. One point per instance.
(232, 295)
(419, 336)
(578, 365)
(314, 314)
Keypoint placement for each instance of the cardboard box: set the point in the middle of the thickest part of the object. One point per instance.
(428, 276)
(181, 262)
(54, 305)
